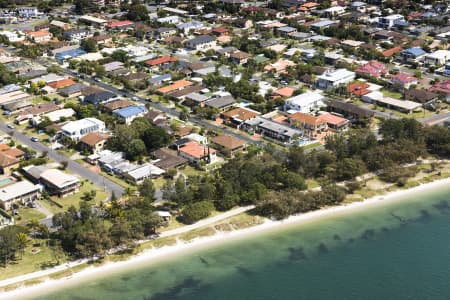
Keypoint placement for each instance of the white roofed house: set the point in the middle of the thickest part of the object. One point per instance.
(21, 192)
(201, 43)
(305, 102)
(334, 79)
(139, 174)
(77, 129)
(437, 58)
(59, 183)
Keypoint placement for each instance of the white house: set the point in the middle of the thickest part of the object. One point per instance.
(335, 79)
(21, 192)
(29, 12)
(169, 20)
(437, 58)
(390, 21)
(77, 129)
(188, 26)
(305, 102)
(201, 43)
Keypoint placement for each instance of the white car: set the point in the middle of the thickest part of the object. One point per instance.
(10, 126)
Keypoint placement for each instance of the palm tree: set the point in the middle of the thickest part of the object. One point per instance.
(34, 225)
(22, 240)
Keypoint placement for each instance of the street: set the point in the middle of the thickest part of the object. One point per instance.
(73, 166)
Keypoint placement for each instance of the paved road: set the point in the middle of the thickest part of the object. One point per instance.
(73, 166)
(433, 120)
(160, 107)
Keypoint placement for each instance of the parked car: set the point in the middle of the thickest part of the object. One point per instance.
(34, 139)
(10, 126)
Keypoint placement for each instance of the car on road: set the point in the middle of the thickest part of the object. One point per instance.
(135, 98)
(34, 139)
(10, 126)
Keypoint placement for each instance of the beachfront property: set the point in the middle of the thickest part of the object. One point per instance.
(55, 181)
(271, 129)
(306, 102)
(21, 192)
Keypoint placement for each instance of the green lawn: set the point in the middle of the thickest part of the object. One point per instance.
(26, 214)
(30, 262)
(117, 180)
(74, 199)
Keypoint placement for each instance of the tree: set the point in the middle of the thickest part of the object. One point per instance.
(197, 211)
(136, 149)
(137, 13)
(22, 240)
(147, 190)
(89, 45)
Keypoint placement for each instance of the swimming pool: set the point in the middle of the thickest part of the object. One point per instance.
(5, 181)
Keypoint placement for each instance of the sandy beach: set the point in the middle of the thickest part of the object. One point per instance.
(158, 254)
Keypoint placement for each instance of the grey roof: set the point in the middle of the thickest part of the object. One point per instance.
(197, 97)
(221, 102)
(273, 126)
(202, 39)
(160, 78)
(33, 73)
(9, 88)
(71, 89)
(99, 97)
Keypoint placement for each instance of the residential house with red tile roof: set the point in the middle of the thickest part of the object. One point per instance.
(284, 92)
(334, 122)
(197, 153)
(311, 125)
(373, 69)
(228, 144)
(157, 62)
(403, 80)
(358, 88)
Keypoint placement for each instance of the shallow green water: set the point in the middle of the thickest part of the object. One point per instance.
(397, 251)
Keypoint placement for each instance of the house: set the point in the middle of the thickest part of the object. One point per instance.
(197, 153)
(28, 12)
(237, 116)
(39, 36)
(69, 54)
(128, 114)
(120, 25)
(201, 43)
(76, 35)
(94, 142)
(71, 91)
(271, 129)
(403, 81)
(358, 6)
(305, 102)
(221, 103)
(139, 174)
(100, 97)
(158, 80)
(442, 87)
(190, 26)
(54, 116)
(21, 192)
(114, 67)
(334, 11)
(8, 162)
(5, 219)
(116, 104)
(59, 183)
(97, 22)
(279, 66)
(242, 23)
(372, 69)
(390, 21)
(218, 31)
(334, 79)
(195, 99)
(437, 58)
(75, 130)
(350, 110)
(239, 57)
(334, 122)
(421, 96)
(165, 32)
(160, 61)
(404, 106)
(103, 39)
(177, 85)
(166, 160)
(169, 20)
(61, 83)
(60, 25)
(412, 55)
(311, 125)
(286, 30)
(283, 92)
(228, 144)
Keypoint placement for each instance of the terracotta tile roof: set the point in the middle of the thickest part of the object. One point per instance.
(61, 83)
(7, 160)
(194, 149)
(160, 60)
(333, 119)
(4, 147)
(392, 51)
(174, 86)
(38, 33)
(93, 138)
(404, 78)
(358, 88)
(284, 91)
(14, 152)
(306, 119)
(228, 141)
(120, 23)
(240, 113)
(443, 87)
(117, 104)
(372, 68)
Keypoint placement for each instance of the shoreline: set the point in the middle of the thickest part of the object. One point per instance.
(155, 255)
